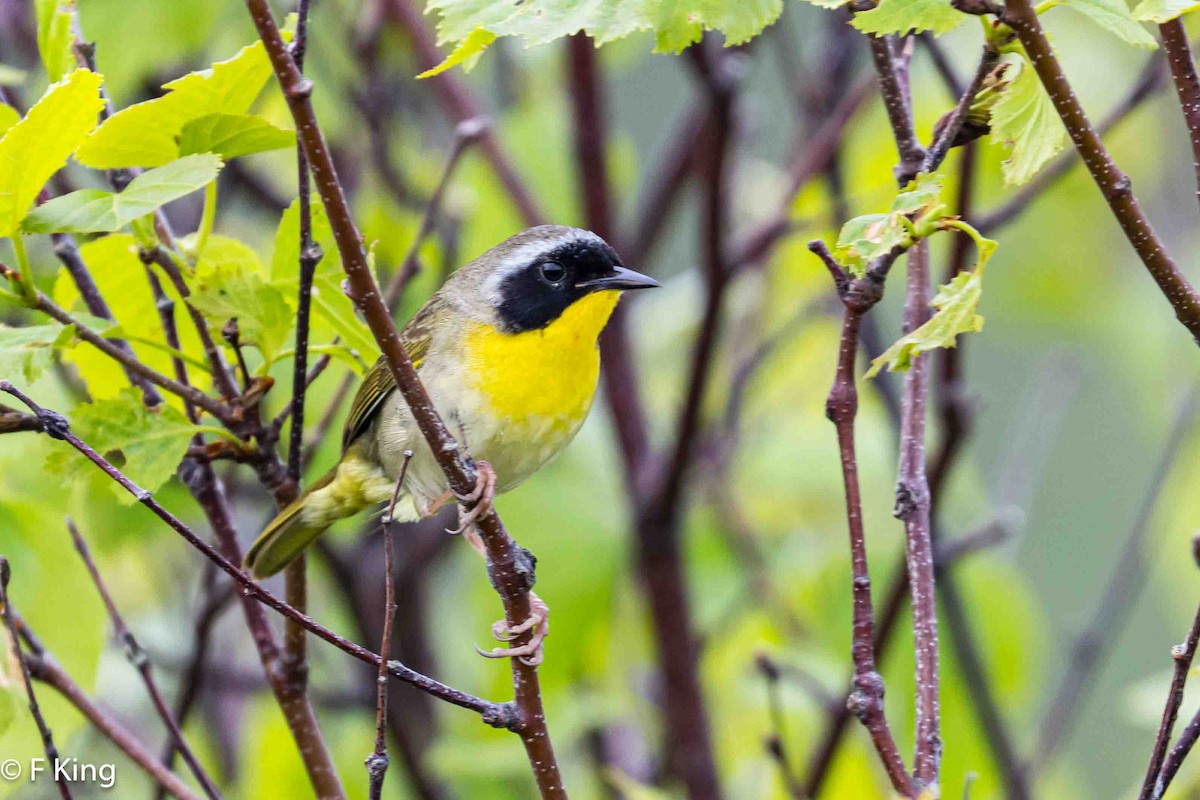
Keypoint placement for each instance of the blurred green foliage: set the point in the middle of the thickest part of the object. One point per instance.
(1075, 381)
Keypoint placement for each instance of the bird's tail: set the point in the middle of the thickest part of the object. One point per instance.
(293, 529)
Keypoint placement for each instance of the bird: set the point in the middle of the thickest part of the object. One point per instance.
(508, 350)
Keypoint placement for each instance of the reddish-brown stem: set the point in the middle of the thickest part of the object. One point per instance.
(866, 701)
(141, 662)
(1114, 184)
(1182, 655)
(1187, 83)
(510, 567)
(35, 710)
(461, 104)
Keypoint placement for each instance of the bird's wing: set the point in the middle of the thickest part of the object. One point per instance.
(378, 383)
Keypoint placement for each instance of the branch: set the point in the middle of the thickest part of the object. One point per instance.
(1187, 83)
(57, 427)
(461, 104)
(1155, 783)
(34, 709)
(141, 662)
(866, 701)
(194, 396)
(1114, 184)
(898, 107)
(912, 507)
(510, 567)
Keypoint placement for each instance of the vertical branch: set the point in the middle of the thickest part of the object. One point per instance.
(510, 567)
(621, 386)
(912, 507)
(34, 709)
(141, 662)
(377, 762)
(899, 109)
(294, 663)
(1113, 183)
(1187, 83)
(1182, 655)
(866, 701)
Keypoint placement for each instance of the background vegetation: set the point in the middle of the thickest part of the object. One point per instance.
(1074, 488)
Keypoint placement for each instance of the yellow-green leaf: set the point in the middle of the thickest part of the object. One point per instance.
(147, 134)
(466, 52)
(39, 145)
(909, 16)
(1160, 11)
(94, 210)
(55, 37)
(8, 117)
(232, 135)
(1114, 17)
(1023, 119)
(956, 305)
(146, 444)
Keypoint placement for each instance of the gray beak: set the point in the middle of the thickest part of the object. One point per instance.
(621, 278)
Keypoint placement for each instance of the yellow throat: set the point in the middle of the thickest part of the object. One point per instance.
(546, 373)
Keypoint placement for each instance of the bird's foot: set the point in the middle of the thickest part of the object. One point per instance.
(530, 653)
(479, 499)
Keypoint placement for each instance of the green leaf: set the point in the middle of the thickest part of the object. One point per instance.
(467, 52)
(54, 18)
(94, 210)
(8, 117)
(25, 353)
(1160, 11)
(909, 16)
(1114, 17)
(956, 303)
(330, 304)
(148, 134)
(232, 135)
(230, 283)
(468, 24)
(914, 211)
(1025, 121)
(146, 444)
(39, 145)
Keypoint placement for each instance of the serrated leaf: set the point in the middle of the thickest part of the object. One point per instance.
(39, 145)
(956, 303)
(1114, 17)
(94, 210)
(1024, 121)
(232, 135)
(866, 238)
(229, 283)
(1160, 11)
(909, 16)
(675, 25)
(146, 444)
(8, 117)
(147, 134)
(55, 37)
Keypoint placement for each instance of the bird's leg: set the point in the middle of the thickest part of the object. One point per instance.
(530, 653)
(479, 499)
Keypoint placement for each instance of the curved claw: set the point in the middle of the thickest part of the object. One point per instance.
(480, 497)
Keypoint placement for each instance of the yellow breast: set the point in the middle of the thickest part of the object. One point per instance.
(542, 376)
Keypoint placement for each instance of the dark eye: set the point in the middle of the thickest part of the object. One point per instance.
(552, 272)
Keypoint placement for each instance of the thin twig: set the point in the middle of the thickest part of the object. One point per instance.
(1182, 655)
(1187, 83)
(377, 762)
(35, 710)
(866, 701)
(140, 660)
(509, 566)
(1114, 185)
(57, 427)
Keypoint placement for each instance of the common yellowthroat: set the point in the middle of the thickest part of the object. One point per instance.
(508, 351)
